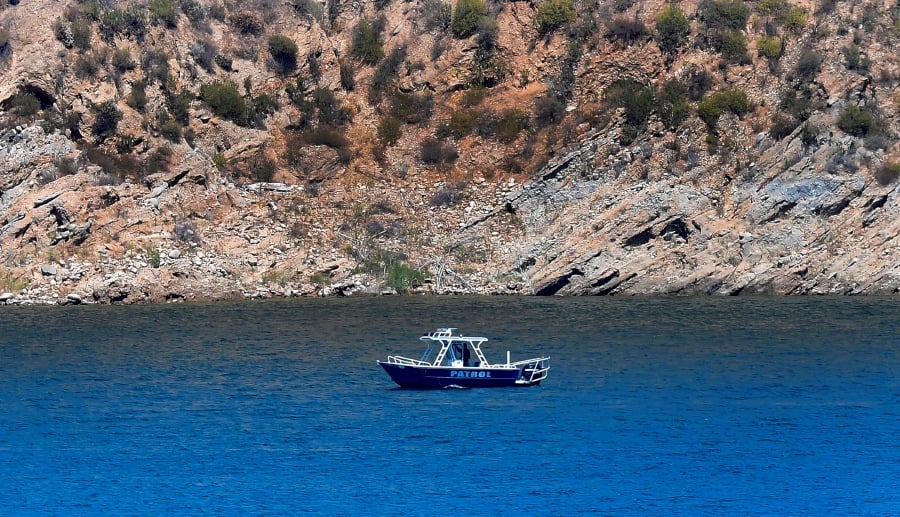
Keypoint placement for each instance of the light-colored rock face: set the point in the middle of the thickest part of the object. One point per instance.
(567, 207)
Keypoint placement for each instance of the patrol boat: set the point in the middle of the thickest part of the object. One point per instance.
(453, 360)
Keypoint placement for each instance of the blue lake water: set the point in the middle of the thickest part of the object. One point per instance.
(653, 406)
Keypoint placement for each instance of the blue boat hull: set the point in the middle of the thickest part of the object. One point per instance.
(435, 377)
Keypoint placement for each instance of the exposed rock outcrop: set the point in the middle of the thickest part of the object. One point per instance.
(510, 169)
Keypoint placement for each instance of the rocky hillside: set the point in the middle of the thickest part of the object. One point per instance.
(186, 149)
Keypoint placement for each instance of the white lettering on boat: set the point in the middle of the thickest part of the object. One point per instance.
(463, 373)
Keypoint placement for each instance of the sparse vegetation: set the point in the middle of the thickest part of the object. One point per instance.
(366, 45)
(808, 64)
(25, 104)
(782, 126)
(672, 104)
(462, 123)
(412, 108)
(436, 152)
(163, 12)
(348, 81)
(636, 100)
(553, 14)
(854, 58)
(130, 22)
(672, 28)
(436, 15)
(769, 47)
(262, 168)
(855, 121)
(284, 52)
(509, 124)
(389, 130)
(626, 30)
(225, 101)
(731, 100)
(549, 109)
(137, 99)
(466, 16)
(106, 119)
(887, 173)
(246, 23)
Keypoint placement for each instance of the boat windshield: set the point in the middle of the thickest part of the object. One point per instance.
(428, 354)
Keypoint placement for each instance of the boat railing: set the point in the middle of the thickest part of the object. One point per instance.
(534, 370)
(406, 361)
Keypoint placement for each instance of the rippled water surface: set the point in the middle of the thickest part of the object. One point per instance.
(654, 406)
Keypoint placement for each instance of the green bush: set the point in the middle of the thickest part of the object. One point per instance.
(81, 33)
(635, 98)
(112, 23)
(347, 71)
(125, 143)
(163, 11)
(130, 23)
(247, 23)
(722, 15)
(220, 161)
(782, 126)
(435, 152)
(86, 66)
(887, 174)
(489, 67)
(854, 58)
(262, 168)
(137, 99)
(855, 121)
(509, 124)
(402, 277)
(389, 130)
(549, 109)
(195, 12)
(626, 29)
(771, 7)
(331, 112)
(106, 119)
(709, 111)
(412, 108)
(225, 101)
(462, 123)
(284, 52)
(769, 47)
(712, 106)
(734, 47)
(122, 61)
(793, 18)
(25, 104)
(553, 14)
(366, 44)
(808, 64)
(465, 17)
(436, 15)
(672, 28)
(169, 128)
(672, 103)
